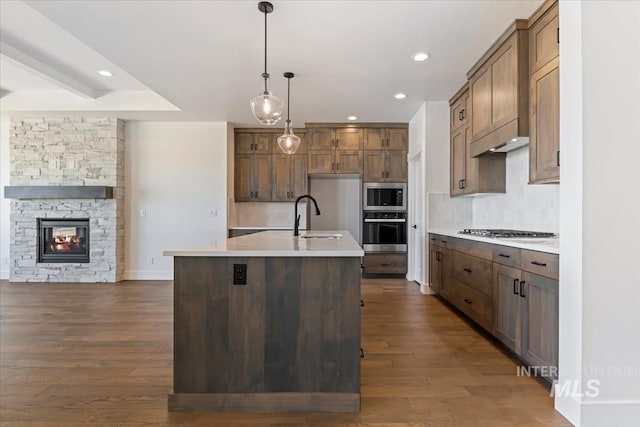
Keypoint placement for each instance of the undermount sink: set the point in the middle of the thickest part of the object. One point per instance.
(321, 236)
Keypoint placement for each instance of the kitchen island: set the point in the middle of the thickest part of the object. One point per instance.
(268, 322)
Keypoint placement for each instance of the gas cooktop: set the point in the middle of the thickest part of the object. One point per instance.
(493, 232)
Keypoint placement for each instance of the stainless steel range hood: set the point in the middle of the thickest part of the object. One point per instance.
(506, 138)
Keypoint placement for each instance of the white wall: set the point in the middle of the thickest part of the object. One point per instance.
(523, 206)
(177, 173)
(4, 203)
(600, 210)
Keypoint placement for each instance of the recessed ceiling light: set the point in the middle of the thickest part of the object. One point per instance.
(352, 118)
(419, 57)
(400, 95)
(105, 73)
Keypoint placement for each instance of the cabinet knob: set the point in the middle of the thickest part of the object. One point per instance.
(467, 269)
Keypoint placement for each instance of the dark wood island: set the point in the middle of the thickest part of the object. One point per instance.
(268, 322)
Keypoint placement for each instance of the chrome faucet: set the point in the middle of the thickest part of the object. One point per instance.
(296, 224)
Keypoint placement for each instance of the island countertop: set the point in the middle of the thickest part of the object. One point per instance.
(277, 243)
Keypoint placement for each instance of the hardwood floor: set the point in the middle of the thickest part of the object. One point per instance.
(101, 355)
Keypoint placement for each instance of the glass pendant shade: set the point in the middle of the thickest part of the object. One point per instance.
(267, 108)
(288, 142)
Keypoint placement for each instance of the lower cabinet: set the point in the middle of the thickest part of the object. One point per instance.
(385, 263)
(510, 292)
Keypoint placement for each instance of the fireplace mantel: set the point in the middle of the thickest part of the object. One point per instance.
(58, 192)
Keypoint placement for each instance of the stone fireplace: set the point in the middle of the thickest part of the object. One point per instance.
(70, 234)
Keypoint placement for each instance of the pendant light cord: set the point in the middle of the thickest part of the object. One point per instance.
(288, 96)
(265, 51)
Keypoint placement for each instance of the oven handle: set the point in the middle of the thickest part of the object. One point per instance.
(385, 220)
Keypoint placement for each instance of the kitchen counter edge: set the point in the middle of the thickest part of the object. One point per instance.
(552, 247)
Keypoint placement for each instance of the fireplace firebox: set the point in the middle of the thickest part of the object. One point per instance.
(63, 240)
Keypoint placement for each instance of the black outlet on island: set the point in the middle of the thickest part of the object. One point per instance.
(239, 274)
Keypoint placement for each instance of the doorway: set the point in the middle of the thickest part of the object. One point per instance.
(416, 236)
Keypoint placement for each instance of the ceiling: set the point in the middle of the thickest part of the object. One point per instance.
(201, 60)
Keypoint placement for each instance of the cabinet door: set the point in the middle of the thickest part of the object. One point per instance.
(506, 306)
(349, 139)
(320, 139)
(348, 161)
(320, 161)
(544, 148)
(298, 185)
(435, 270)
(504, 84)
(263, 142)
(458, 162)
(540, 320)
(243, 182)
(471, 180)
(446, 281)
(544, 40)
(397, 139)
(243, 143)
(481, 102)
(262, 177)
(374, 139)
(466, 107)
(396, 166)
(456, 113)
(281, 180)
(374, 170)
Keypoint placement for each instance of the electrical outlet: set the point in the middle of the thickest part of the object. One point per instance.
(213, 213)
(239, 274)
(151, 261)
(143, 212)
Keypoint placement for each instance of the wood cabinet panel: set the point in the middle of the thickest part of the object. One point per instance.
(262, 177)
(281, 178)
(542, 263)
(435, 271)
(473, 271)
(320, 139)
(396, 166)
(471, 302)
(545, 124)
(243, 177)
(544, 39)
(471, 247)
(458, 162)
(299, 177)
(504, 76)
(457, 113)
(439, 240)
(264, 142)
(348, 161)
(374, 166)
(243, 143)
(506, 255)
(385, 263)
(397, 139)
(375, 138)
(540, 321)
(481, 105)
(320, 161)
(349, 139)
(507, 320)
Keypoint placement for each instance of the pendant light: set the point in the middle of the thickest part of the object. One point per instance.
(266, 107)
(288, 142)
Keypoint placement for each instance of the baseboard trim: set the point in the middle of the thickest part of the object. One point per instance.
(602, 413)
(148, 275)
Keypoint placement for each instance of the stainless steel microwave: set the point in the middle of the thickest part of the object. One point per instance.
(384, 196)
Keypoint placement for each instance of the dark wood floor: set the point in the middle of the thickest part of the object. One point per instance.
(100, 355)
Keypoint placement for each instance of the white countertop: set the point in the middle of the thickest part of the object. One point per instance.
(549, 245)
(244, 227)
(277, 243)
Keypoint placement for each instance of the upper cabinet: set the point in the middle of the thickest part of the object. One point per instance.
(499, 92)
(544, 40)
(335, 150)
(385, 155)
(469, 175)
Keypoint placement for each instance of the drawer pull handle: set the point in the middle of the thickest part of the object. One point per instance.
(515, 286)
(504, 255)
(444, 241)
(385, 265)
(434, 239)
(541, 264)
(361, 353)
(361, 303)
(468, 301)
(468, 270)
(522, 289)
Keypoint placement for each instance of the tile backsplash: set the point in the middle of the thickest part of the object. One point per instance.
(274, 214)
(524, 207)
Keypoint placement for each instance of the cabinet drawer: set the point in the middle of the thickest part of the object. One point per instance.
(471, 247)
(473, 271)
(439, 240)
(474, 304)
(506, 255)
(541, 263)
(385, 263)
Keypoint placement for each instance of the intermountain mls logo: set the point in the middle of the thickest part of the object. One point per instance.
(571, 388)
